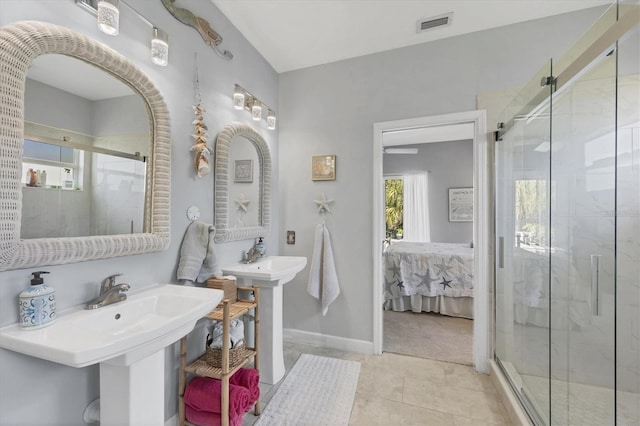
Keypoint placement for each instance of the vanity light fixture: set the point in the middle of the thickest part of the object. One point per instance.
(256, 110)
(243, 99)
(160, 47)
(108, 15)
(238, 97)
(271, 120)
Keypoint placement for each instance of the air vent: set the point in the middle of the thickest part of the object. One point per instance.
(434, 22)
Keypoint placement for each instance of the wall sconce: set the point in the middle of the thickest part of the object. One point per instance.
(243, 99)
(108, 17)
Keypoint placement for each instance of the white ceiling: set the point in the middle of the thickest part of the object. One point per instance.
(294, 34)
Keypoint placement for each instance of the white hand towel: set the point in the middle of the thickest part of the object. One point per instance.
(323, 279)
(197, 254)
(236, 334)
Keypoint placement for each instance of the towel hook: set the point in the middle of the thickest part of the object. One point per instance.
(323, 205)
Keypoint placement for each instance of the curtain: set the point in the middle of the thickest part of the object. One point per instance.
(415, 220)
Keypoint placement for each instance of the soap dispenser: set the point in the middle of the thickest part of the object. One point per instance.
(37, 304)
(261, 248)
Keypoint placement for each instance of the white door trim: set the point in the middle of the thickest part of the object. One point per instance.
(481, 217)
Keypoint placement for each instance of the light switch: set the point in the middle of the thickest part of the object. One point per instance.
(291, 237)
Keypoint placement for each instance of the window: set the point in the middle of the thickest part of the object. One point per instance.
(51, 166)
(394, 202)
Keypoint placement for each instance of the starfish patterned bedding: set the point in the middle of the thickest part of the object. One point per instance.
(427, 270)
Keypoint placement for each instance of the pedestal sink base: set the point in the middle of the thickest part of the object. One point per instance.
(270, 274)
(133, 394)
(271, 351)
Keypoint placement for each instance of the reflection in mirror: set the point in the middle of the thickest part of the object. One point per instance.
(244, 184)
(87, 143)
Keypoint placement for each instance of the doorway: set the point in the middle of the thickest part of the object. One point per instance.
(472, 122)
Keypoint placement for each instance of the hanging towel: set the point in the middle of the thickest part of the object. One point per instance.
(248, 378)
(203, 394)
(206, 418)
(323, 279)
(197, 255)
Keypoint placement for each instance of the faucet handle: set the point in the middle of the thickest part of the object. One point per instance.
(109, 282)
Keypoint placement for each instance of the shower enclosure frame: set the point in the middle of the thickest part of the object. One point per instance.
(616, 25)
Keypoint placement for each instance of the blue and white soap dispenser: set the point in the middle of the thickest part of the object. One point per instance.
(261, 248)
(37, 304)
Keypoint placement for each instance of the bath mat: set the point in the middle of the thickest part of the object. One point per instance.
(317, 391)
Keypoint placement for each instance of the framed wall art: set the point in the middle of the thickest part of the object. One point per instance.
(323, 167)
(460, 204)
(243, 172)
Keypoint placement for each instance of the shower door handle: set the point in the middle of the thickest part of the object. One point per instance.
(595, 284)
(501, 252)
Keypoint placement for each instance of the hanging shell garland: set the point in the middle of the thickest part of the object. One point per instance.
(202, 153)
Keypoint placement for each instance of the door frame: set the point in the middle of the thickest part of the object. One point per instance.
(481, 224)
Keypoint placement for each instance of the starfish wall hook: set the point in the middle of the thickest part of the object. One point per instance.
(324, 205)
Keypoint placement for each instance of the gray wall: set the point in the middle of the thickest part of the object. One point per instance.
(451, 166)
(61, 393)
(331, 109)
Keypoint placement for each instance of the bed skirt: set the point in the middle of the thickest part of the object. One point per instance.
(451, 306)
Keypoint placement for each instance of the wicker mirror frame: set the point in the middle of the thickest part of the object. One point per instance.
(20, 44)
(221, 196)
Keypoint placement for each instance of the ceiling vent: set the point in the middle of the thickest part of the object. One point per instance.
(434, 22)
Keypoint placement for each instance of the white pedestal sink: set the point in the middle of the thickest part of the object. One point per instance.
(269, 274)
(127, 339)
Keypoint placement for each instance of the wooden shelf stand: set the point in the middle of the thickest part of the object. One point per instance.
(226, 312)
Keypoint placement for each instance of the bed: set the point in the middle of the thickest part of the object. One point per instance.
(429, 277)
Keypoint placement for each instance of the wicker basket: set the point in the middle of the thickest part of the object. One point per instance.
(213, 356)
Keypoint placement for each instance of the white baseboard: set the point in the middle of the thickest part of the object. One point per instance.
(325, 340)
(173, 421)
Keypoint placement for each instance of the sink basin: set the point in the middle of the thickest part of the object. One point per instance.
(149, 320)
(272, 270)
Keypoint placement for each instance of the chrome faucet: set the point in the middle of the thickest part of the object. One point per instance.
(251, 256)
(110, 292)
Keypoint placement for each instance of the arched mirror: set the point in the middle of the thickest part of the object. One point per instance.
(86, 147)
(243, 184)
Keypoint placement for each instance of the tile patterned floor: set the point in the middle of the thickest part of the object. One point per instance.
(402, 390)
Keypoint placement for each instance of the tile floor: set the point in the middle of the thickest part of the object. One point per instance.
(401, 390)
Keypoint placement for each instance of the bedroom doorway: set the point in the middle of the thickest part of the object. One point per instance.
(428, 259)
(450, 223)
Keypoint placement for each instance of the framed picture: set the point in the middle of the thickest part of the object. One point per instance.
(243, 172)
(323, 167)
(460, 204)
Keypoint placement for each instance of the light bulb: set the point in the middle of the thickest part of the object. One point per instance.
(238, 98)
(108, 17)
(160, 47)
(256, 111)
(271, 120)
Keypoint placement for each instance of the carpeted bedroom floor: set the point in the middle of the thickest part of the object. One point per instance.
(429, 335)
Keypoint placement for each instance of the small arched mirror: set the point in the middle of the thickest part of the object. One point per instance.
(76, 184)
(243, 184)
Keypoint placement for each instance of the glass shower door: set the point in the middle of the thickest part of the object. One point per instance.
(582, 246)
(522, 236)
